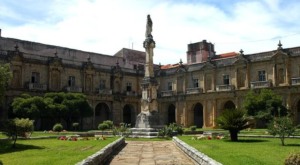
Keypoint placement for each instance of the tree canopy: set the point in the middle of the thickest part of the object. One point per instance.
(5, 76)
(69, 107)
(18, 127)
(264, 105)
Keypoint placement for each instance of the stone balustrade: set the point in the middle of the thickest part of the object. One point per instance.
(226, 87)
(261, 84)
(37, 86)
(167, 93)
(105, 91)
(131, 93)
(194, 90)
(296, 81)
(74, 89)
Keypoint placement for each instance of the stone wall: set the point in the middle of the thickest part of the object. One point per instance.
(198, 157)
(104, 154)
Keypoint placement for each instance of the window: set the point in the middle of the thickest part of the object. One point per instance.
(193, 57)
(128, 86)
(35, 77)
(71, 81)
(102, 84)
(226, 79)
(261, 75)
(169, 86)
(195, 83)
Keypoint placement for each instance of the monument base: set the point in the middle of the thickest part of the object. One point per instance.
(147, 125)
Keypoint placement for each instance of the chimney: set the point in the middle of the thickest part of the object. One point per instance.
(0, 33)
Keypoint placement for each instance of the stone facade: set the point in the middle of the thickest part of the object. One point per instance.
(188, 94)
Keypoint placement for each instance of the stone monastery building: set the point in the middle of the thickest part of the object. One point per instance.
(189, 94)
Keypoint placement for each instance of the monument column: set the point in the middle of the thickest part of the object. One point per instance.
(148, 118)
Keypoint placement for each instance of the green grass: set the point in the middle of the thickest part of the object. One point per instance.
(41, 133)
(49, 151)
(250, 151)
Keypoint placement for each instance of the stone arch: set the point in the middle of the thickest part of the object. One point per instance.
(102, 113)
(298, 113)
(171, 114)
(129, 115)
(229, 105)
(198, 115)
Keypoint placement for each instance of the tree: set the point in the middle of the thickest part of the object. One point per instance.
(68, 106)
(5, 76)
(264, 105)
(53, 108)
(102, 127)
(32, 107)
(27, 106)
(283, 127)
(18, 127)
(233, 120)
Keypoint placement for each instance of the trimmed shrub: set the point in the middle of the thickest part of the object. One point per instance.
(109, 123)
(57, 127)
(103, 126)
(193, 128)
(293, 159)
(75, 126)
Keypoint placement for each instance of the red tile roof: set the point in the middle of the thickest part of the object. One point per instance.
(225, 55)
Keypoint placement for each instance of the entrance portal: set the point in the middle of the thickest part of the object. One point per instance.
(229, 105)
(198, 115)
(171, 114)
(101, 113)
(129, 115)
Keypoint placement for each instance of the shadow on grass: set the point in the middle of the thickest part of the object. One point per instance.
(6, 147)
(292, 145)
(248, 141)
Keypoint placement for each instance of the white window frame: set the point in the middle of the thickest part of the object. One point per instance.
(226, 79)
(35, 77)
(71, 81)
(262, 75)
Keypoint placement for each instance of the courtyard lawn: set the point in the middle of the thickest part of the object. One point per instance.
(250, 151)
(50, 151)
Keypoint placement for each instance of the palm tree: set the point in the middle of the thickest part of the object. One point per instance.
(233, 120)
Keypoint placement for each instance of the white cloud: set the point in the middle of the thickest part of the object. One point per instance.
(107, 26)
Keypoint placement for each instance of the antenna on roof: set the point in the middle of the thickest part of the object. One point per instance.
(132, 45)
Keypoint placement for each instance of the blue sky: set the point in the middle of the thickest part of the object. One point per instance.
(107, 26)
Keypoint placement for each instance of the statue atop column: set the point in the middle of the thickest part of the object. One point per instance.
(149, 27)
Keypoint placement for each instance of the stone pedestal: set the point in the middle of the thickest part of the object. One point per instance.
(147, 125)
(147, 120)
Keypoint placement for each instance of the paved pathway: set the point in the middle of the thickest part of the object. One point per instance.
(150, 153)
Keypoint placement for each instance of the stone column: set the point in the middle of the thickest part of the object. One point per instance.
(215, 113)
(248, 76)
(274, 75)
(288, 71)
